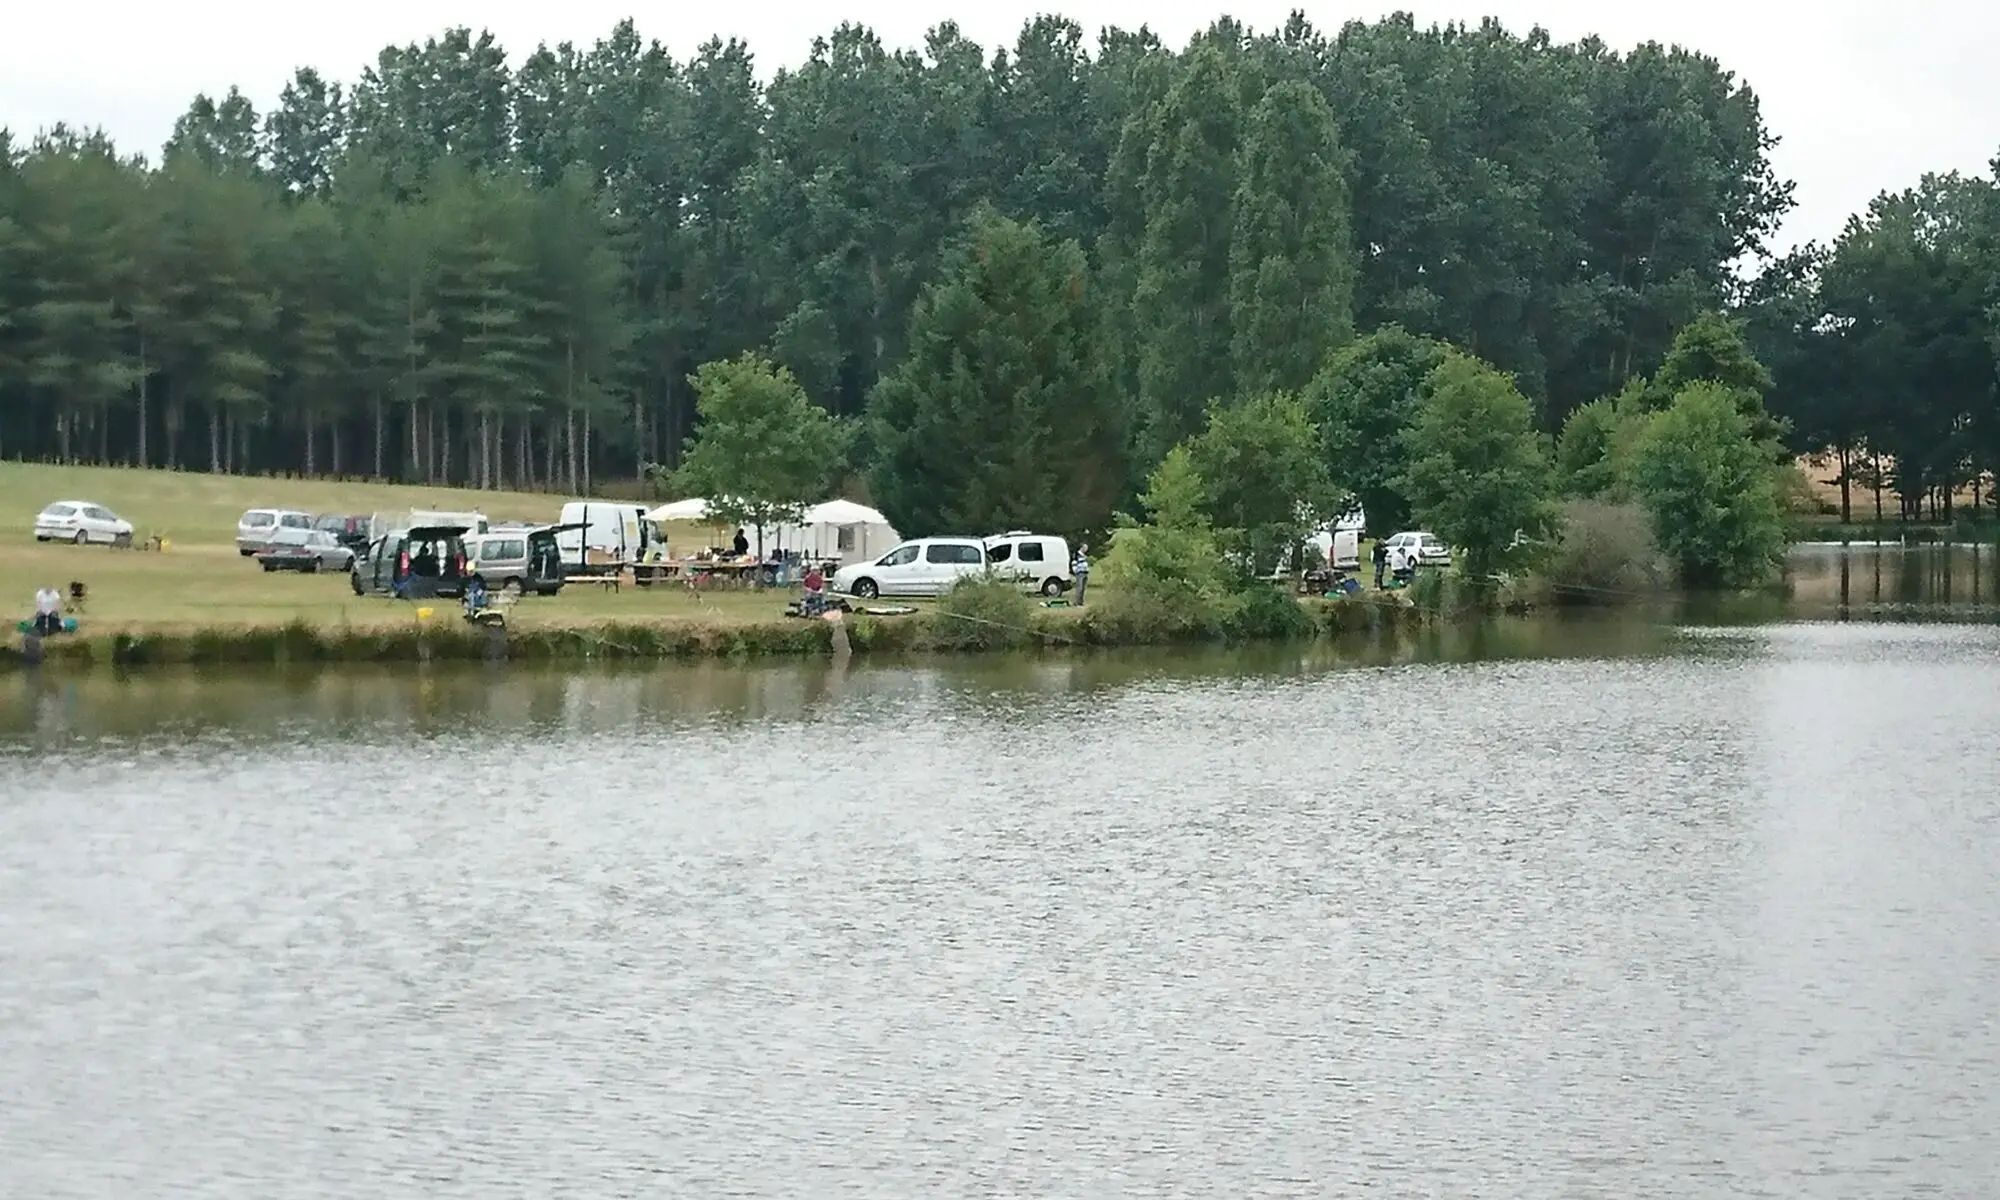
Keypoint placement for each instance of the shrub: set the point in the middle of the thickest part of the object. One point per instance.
(1604, 553)
(1712, 490)
(982, 614)
(1264, 611)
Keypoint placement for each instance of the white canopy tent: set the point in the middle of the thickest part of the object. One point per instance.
(840, 529)
(695, 509)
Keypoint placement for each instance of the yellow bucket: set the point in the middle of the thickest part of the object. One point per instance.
(424, 614)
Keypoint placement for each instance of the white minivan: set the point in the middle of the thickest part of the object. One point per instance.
(599, 533)
(923, 567)
(1036, 561)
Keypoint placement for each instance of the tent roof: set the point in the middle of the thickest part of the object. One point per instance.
(693, 509)
(843, 512)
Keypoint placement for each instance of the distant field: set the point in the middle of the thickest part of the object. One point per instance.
(202, 582)
(201, 510)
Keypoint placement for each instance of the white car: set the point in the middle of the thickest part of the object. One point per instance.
(1431, 550)
(263, 529)
(924, 567)
(1036, 561)
(81, 522)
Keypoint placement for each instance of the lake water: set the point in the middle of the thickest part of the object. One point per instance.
(1582, 908)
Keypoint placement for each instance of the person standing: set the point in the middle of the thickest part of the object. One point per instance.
(1381, 556)
(1081, 569)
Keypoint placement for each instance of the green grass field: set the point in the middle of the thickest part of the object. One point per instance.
(201, 581)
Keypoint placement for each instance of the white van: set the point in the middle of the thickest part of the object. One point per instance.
(382, 524)
(924, 567)
(1036, 561)
(616, 530)
(1341, 548)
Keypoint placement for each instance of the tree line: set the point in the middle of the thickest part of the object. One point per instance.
(1884, 347)
(456, 270)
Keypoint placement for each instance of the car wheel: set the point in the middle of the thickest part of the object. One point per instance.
(82, 538)
(866, 589)
(354, 581)
(312, 566)
(1052, 586)
(511, 589)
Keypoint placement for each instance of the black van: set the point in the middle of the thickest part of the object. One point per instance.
(423, 563)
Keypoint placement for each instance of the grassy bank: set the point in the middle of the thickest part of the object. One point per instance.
(200, 603)
(933, 629)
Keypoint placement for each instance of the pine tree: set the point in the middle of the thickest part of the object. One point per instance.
(1003, 415)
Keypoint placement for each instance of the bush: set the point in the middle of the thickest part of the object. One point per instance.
(1712, 490)
(982, 614)
(1265, 611)
(1604, 553)
(1162, 583)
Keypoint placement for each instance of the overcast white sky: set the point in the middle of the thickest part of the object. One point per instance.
(1865, 95)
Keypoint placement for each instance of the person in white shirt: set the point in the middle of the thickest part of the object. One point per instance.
(48, 611)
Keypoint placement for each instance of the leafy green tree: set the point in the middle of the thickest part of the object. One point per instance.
(1711, 489)
(1363, 403)
(1478, 474)
(1291, 284)
(1712, 349)
(762, 451)
(1003, 415)
(223, 138)
(1583, 451)
(1264, 481)
(304, 134)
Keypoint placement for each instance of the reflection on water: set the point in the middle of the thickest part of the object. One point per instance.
(447, 700)
(1586, 908)
(1950, 582)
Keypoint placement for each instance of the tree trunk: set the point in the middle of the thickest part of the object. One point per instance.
(173, 424)
(143, 414)
(485, 448)
(416, 463)
(585, 480)
(214, 439)
(1876, 479)
(569, 447)
(312, 450)
(378, 437)
(1846, 500)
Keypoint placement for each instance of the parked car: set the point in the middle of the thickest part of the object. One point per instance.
(321, 551)
(81, 522)
(519, 560)
(422, 563)
(1431, 550)
(1036, 561)
(262, 528)
(924, 567)
(350, 531)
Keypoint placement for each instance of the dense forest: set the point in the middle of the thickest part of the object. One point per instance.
(456, 270)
